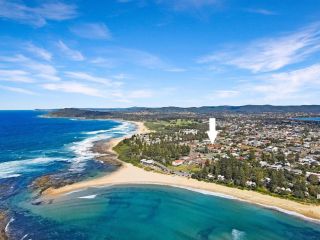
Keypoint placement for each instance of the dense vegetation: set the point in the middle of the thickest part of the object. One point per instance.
(240, 173)
(133, 150)
(164, 144)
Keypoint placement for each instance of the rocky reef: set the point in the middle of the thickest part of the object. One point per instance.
(3, 224)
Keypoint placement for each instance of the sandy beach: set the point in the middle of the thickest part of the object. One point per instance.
(141, 129)
(129, 174)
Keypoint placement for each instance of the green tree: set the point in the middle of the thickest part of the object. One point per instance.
(313, 179)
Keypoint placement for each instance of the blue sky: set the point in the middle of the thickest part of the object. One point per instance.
(154, 53)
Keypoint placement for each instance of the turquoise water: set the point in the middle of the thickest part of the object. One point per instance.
(158, 212)
(32, 146)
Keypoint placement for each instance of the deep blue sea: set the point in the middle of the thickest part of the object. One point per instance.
(32, 146)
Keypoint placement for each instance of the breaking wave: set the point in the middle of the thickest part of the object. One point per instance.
(96, 132)
(83, 149)
(8, 225)
(89, 196)
(17, 168)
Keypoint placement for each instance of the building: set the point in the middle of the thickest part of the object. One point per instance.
(177, 162)
(147, 162)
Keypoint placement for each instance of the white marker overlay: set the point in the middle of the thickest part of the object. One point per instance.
(212, 133)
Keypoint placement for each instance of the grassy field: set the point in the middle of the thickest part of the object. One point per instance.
(186, 168)
(160, 125)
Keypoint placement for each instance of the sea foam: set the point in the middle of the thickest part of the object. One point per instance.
(6, 229)
(18, 167)
(24, 237)
(89, 196)
(83, 149)
(96, 132)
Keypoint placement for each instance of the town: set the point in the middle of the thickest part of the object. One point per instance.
(271, 153)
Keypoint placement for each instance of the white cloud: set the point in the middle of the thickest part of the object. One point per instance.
(43, 71)
(40, 52)
(72, 54)
(270, 54)
(92, 31)
(286, 85)
(119, 56)
(73, 87)
(144, 58)
(35, 69)
(104, 62)
(141, 58)
(180, 5)
(15, 76)
(189, 4)
(36, 16)
(88, 77)
(261, 11)
(17, 90)
(176, 70)
(121, 76)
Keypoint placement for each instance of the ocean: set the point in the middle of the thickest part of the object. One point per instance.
(33, 146)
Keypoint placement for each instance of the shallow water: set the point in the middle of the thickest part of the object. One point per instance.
(158, 212)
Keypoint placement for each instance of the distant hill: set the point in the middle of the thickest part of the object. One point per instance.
(167, 113)
(211, 109)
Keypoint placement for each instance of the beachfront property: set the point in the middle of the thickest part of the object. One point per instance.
(177, 162)
(287, 147)
(147, 162)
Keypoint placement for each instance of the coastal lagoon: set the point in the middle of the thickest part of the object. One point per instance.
(32, 146)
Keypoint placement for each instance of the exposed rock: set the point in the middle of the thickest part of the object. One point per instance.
(42, 183)
(3, 223)
(106, 156)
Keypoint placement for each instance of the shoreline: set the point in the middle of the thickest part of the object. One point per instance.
(128, 174)
(140, 129)
(106, 146)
